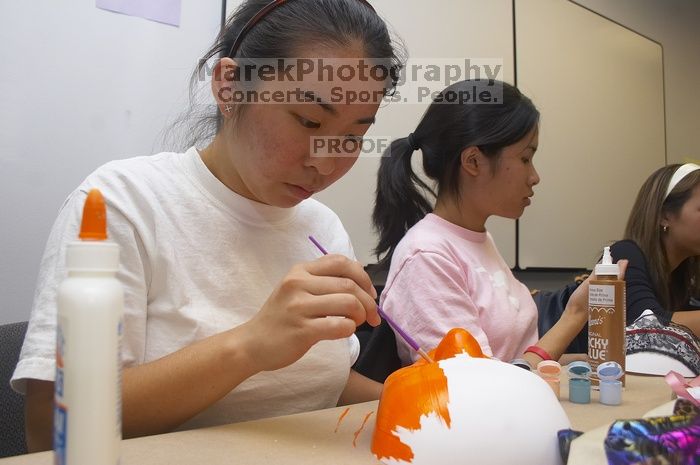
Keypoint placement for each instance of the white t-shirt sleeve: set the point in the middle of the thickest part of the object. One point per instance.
(37, 358)
(354, 344)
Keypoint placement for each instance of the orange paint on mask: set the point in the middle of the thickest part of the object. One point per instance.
(342, 415)
(417, 390)
(362, 426)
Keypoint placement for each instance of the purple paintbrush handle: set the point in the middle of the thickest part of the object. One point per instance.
(411, 342)
(319, 246)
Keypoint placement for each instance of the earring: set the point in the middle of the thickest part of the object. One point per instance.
(227, 109)
(664, 228)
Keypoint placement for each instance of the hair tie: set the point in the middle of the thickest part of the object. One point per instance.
(412, 142)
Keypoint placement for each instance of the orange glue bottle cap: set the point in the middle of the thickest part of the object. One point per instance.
(94, 224)
(93, 252)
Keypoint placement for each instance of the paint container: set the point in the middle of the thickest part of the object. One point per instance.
(522, 363)
(609, 374)
(579, 382)
(549, 370)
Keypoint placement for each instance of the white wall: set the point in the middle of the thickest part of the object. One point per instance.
(79, 87)
(675, 24)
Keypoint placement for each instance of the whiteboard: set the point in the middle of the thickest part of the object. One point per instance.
(80, 86)
(599, 87)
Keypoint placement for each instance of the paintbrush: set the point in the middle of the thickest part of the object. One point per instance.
(409, 340)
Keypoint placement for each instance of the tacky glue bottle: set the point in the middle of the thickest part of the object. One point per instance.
(87, 410)
(606, 316)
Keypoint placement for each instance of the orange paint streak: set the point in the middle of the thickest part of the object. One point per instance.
(342, 415)
(417, 390)
(359, 431)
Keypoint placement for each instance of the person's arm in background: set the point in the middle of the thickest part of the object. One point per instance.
(360, 388)
(557, 339)
(689, 319)
(640, 290)
(573, 319)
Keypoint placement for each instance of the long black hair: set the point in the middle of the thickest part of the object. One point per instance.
(282, 33)
(449, 125)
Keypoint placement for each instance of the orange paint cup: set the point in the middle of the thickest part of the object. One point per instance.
(549, 370)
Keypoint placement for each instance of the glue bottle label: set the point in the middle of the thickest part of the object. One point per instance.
(602, 296)
(606, 323)
(60, 411)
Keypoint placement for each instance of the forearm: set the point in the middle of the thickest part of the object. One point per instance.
(688, 318)
(161, 395)
(158, 396)
(557, 339)
(38, 415)
(359, 388)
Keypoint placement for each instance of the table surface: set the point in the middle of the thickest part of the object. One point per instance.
(322, 437)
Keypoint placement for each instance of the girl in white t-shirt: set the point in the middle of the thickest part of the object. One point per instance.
(226, 300)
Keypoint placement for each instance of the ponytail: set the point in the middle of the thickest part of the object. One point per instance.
(400, 202)
(444, 131)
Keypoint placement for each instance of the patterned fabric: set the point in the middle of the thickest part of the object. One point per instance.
(673, 439)
(647, 334)
(566, 437)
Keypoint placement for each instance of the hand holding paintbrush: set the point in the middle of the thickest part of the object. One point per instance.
(294, 317)
(409, 340)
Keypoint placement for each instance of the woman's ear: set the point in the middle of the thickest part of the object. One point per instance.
(473, 162)
(222, 85)
(666, 219)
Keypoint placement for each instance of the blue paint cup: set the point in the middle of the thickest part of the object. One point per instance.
(579, 382)
(609, 374)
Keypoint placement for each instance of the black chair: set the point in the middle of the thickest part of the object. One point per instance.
(378, 355)
(11, 403)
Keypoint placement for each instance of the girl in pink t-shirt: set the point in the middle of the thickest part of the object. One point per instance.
(445, 269)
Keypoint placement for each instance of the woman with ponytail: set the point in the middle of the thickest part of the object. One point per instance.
(445, 270)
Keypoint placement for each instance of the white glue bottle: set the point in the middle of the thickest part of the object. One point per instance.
(87, 408)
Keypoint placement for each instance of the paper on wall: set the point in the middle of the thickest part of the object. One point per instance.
(162, 11)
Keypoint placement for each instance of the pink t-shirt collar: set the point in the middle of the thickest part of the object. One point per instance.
(459, 231)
